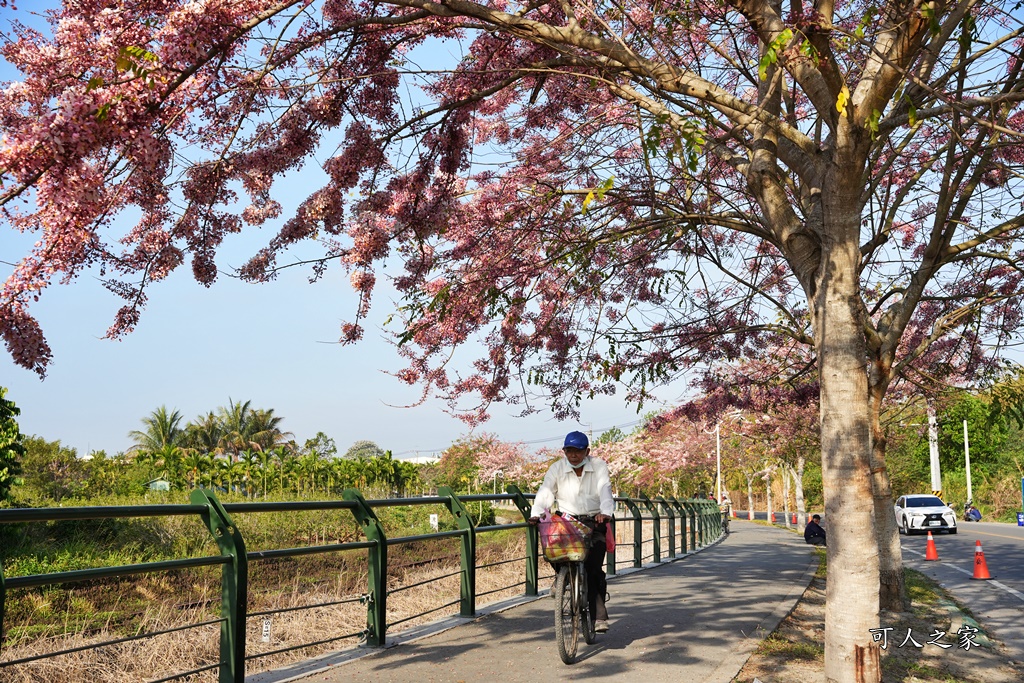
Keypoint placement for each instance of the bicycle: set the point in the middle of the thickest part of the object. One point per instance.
(566, 548)
(572, 610)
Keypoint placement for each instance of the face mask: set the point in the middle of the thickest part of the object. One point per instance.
(576, 467)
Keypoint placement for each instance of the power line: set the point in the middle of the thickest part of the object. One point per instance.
(525, 443)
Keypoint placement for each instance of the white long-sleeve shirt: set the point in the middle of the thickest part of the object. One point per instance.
(589, 494)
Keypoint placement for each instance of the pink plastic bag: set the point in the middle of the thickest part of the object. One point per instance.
(562, 539)
(609, 539)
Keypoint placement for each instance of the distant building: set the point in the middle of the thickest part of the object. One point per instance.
(422, 459)
(159, 484)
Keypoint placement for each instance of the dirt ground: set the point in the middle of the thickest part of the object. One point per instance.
(794, 652)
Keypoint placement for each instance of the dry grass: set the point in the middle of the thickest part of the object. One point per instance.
(309, 582)
(794, 652)
(40, 622)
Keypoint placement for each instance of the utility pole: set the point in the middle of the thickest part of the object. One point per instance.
(967, 461)
(718, 462)
(933, 450)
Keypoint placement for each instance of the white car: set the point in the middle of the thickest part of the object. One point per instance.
(923, 512)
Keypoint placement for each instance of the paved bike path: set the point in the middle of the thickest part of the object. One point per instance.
(695, 619)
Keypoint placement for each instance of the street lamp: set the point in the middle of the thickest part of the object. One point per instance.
(499, 473)
(734, 414)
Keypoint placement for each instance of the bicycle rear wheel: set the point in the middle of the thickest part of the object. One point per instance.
(567, 615)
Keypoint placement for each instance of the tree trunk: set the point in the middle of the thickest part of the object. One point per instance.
(851, 604)
(892, 592)
(798, 488)
(768, 493)
(785, 496)
(750, 496)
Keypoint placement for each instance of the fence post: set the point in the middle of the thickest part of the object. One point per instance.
(656, 526)
(467, 601)
(682, 522)
(638, 532)
(703, 509)
(233, 585)
(671, 528)
(692, 510)
(377, 574)
(531, 539)
(3, 603)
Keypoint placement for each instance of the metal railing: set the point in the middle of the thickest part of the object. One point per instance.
(698, 522)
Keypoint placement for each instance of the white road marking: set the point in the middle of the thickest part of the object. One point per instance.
(1015, 593)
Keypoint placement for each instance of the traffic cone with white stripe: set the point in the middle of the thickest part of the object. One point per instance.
(930, 552)
(794, 518)
(773, 518)
(980, 566)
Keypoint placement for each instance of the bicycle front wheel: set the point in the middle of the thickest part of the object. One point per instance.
(567, 614)
(583, 600)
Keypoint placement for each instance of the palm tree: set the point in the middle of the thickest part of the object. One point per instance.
(264, 429)
(198, 466)
(245, 427)
(266, 460)
(205, 433)
(249, 460)
(169, 460)
(162, 429)
(235, 422)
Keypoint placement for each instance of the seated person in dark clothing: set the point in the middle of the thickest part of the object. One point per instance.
(814, 534)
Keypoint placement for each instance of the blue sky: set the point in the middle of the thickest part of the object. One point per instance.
(273, 344)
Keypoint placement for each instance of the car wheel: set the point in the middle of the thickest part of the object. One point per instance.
(906, 528)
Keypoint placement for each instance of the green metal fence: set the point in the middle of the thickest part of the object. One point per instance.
(694, 522)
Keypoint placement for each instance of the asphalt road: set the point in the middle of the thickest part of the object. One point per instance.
(998, 604)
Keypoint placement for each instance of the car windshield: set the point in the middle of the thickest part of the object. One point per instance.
(924, 502)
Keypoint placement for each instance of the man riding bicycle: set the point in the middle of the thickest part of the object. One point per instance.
(582, 488)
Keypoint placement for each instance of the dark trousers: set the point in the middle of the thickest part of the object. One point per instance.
(597, 584)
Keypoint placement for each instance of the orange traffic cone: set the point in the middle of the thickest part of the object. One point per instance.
(794, 518)
(732, 512)
(773, 518)
(930, 552)
(980, 566)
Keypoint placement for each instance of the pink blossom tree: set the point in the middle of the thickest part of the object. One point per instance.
(606, 194)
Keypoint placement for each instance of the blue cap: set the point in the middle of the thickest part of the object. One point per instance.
(576, 440)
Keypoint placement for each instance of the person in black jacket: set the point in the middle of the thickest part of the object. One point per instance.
(814, 533)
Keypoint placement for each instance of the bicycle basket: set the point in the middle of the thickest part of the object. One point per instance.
(563, 539)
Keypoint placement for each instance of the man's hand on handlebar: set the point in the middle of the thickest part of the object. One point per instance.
(601, 519)
(533, 521)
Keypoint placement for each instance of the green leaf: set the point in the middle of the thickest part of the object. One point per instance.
(94, 82)
(771, 53)
(873, 123)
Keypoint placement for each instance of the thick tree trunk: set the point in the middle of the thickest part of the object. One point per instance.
(851, 606)
(892, 594)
